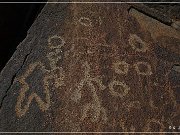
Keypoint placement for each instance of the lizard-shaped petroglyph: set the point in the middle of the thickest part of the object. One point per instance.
(95, 105)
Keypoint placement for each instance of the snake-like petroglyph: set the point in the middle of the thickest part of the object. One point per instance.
(95, 106)
(43, 104)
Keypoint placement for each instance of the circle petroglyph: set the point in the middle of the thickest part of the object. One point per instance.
(55, 42)
(124, 88)
(143, 68)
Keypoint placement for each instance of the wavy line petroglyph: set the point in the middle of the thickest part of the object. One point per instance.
(137, 44)
(95, 105)
(43, 105)
(124, 88)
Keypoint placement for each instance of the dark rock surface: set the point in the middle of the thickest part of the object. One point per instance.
(93, 68)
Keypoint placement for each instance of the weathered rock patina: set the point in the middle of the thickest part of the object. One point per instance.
(93, 68)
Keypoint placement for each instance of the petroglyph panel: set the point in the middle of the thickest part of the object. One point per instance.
(95, 68)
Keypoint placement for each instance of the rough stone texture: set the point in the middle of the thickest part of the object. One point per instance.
(93, 68)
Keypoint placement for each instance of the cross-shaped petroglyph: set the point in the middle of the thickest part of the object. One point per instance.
(95, 106)
(43, 105)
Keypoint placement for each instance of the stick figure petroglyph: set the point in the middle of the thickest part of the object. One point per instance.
(95, 105)
(43, 105)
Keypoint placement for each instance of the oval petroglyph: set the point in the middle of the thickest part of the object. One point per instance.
(145, 65)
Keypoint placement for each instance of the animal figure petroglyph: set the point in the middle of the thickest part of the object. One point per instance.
(95, 106)
(43, 104)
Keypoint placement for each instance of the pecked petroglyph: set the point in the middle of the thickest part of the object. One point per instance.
(95, 105)
(85, 21)
(137, 43)
(54, 57)
(121, 67)
(59, 42)
(124, 88)
(43, 104)
(148, 70)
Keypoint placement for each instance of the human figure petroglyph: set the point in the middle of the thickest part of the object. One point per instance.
(43, 105)
(53, 58)
(124, 88)
(137, 43)
(95, 105)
